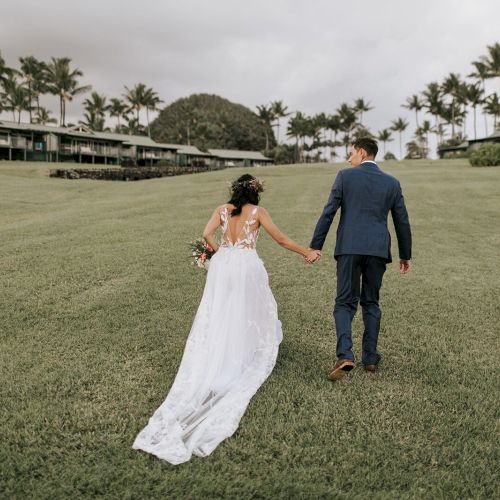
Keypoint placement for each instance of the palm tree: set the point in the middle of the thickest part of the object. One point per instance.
(492, 107)
(151, 101)
(360, 106)
(475, 98)
(96, 108)
(266, 116)
(492, 60)
(297, 129)
(385, 135)
(5, 72)
(133, 127)
(400, 126)
(33, 72)
(117, 109)
(15, 96)
(451, 87)
(63, 82)
(414, 103)
(424, 131)
(42, 116)
(279, 111)
(462, 99)
(334, 124)
(136, 98)
(482, 73)
(433, 100)
(347, 117)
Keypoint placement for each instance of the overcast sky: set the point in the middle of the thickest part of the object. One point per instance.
(313, 54)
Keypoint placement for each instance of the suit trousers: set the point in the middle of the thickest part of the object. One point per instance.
(359, 278)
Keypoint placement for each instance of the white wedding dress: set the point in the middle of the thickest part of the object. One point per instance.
(230, 351)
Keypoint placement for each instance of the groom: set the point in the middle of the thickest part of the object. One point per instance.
(365, 194)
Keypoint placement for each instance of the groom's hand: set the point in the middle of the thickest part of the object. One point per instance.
(404, 266)
(313, 255)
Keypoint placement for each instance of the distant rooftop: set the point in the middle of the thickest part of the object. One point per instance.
(234, 154)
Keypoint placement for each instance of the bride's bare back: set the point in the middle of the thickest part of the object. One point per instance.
(241, 231)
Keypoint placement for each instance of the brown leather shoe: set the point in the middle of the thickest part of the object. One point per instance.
(341, 368)
(371, 368)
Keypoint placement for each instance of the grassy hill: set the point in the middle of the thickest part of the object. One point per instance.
(98, 295)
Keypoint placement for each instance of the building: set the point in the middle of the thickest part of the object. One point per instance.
(468, 146)
(235, 158)
(24, 141)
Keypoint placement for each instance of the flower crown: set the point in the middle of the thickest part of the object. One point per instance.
(255, 184)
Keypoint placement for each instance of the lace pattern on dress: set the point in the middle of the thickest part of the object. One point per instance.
(247, 235)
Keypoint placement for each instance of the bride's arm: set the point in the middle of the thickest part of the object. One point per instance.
(209, 231)
(281, 238)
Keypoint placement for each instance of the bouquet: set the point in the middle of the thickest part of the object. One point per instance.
(202, 252)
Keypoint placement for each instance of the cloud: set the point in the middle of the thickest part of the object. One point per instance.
(312, 55)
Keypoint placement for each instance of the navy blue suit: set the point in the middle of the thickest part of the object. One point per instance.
(365, 196)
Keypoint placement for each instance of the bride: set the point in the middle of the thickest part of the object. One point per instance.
(234, 339)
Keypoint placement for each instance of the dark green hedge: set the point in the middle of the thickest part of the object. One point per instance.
(487, 155)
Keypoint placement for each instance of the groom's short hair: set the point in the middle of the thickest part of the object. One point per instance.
(368, 144)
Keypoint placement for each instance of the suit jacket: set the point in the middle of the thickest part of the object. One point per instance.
(365, 196)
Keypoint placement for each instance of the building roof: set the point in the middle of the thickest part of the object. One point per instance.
(133, 140)
(463, 145)
(189, 150)
(233, 154)
(35, 127)
(87, 133)
(494, 137)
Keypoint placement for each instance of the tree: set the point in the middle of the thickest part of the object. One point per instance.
(414, 103)
(415, 150)
(63, 82)
(136, 97)
(279, 111)
(385, 135)
(321, 124)
(151, 101)
(5, 72)
(266, 116)
(451, 86)
(360, 106)
(297, 129)
(424, 131)
(361, 131)
(475, 98)
(492, 60)
(481, 73)
(347, 116)
(400, 126)
(433, 101)
(209, 121)
(334, 124)
(34, 74)
(133, 127)
(95, 108)
(15, 97)
(492, 107)
(42, 116)
(117, 109)
(462, 99)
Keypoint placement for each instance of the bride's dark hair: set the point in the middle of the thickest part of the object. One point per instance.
(245, 190)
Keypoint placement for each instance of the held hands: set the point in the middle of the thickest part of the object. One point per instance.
(312, 256)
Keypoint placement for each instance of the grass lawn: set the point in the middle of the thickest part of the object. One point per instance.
(98, 295)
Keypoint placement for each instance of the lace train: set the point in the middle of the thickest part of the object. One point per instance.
(230, 351)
